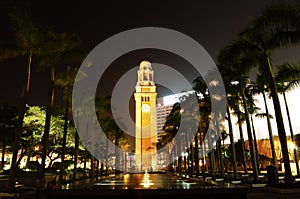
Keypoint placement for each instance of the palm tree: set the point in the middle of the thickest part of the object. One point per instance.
(233, 155)
(193, 124)
(171, 128)
(233, 102)
(253, 110)
(204, 120)
(59, 46)
(76, 149)
(231, 98)
(223, 137)
(276, 27)
(238, 65)
(28, 39)
(248, 125)
(66, 81)
(260, 88)
(239, 122)
(110, 126)
(219, 147)
(288, 77)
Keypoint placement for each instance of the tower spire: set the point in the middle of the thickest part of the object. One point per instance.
(145, 74)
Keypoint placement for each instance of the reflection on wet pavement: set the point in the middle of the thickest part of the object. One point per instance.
(151, 181)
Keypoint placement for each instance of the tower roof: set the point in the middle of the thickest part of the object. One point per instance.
(145, 64)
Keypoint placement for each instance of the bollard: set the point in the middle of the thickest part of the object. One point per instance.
(272, 174)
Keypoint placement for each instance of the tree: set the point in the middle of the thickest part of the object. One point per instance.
(253, 110)
(233, 154)
(289, 72)
(276, 27)
(28, 40)
(8, 118)
(204, 120)
(66, 80)
(59, 46)
(110, 127)
(238, 65)
(223, 137)
(34, 122)
(231, 103)
(261, 88)
(171, 128)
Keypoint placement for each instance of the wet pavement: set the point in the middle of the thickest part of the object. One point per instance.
(164, 185)
(151, 185)
(151, 181)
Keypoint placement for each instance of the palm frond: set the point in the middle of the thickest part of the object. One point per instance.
(276, 27)
(262, 115)
(288, 73)
(28, 34)
(10, 50)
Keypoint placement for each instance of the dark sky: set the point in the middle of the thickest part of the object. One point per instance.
(211, 23)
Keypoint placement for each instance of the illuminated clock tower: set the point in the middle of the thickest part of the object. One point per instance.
(145, 119)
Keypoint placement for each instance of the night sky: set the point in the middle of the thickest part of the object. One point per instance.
(211, 23)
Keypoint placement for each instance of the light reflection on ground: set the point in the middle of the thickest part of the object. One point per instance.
(150, 181)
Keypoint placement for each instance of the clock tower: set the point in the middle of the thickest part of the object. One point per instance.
(145, 119)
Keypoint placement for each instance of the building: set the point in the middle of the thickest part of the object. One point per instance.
(163, 109)
(145, 118)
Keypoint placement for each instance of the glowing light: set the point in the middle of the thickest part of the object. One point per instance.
(146, 182)
(214, 83)
(292, 146)
(170, 99)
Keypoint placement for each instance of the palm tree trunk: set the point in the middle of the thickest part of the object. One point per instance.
(97, 168)
(219, 154)
(92, 167)
(76, 155)
(211, 157)
(189, 147)
(63, 148)
(45, 137)
(19, 126)
(255, 145)
(242, 139)
(219, 148)
(280, 125)
(3, 152)
(253, 160)
(178, 149)
(204, 157)
(233, 156)
(196, 154)
(201, 152)
(117, 159)
(292, 133)
(84, 162)
(101, 168)
(274, 159)
(106, 157)
(225, 158)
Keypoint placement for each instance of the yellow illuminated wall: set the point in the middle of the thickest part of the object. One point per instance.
(145, 119)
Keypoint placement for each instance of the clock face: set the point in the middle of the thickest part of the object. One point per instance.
(145, 108)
